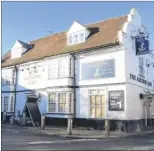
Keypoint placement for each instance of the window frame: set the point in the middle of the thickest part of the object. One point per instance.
(12, 101)
(68, 68)
(5, 104)
(97, 106)
(67, 102)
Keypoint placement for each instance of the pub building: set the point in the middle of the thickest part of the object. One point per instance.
(103, 70)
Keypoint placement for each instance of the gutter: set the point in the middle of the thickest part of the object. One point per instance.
(71, 52)
(15, 91)
(74, 84)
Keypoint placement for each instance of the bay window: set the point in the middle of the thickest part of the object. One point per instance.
(60, 68)
(53, 69)
(60, 102)
(52, 102)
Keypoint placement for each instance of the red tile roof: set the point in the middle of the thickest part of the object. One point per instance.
(102, 33)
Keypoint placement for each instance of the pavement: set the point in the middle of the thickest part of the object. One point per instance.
(85, 133)
(19, 138)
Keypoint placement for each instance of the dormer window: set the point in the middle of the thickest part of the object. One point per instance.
(77, 34)
(70, 39)
(75, 39)
(81, 36)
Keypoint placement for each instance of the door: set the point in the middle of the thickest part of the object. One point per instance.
(97, 104)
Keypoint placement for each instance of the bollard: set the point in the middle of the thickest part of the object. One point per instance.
(107, 128)
(24, 119)
(69, 124)
(43, 121)
(4, 117)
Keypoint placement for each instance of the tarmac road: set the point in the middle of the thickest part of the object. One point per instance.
(16, 138)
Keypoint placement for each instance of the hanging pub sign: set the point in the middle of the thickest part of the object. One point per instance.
(142, 45)
(98, 69)
(116, 100)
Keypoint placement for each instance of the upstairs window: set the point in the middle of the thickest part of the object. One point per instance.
(70, 39)
(13, 76)
(76, 38)
(141, 67)
(81, 37)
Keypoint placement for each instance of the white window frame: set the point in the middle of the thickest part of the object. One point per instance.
(5, 104)
(78, 41)
(101, 94)
(67, 105)
(62, 71)
(52, 69)
(12, 101)
(1, 104)
(13, 76)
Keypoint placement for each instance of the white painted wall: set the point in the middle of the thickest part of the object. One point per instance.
(43, 81)
(131, 59)
(83, 101)
(116, 53)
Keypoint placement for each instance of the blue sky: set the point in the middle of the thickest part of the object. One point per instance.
(28, 21)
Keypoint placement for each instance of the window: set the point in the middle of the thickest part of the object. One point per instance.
(63, 67)
(60, 67)
(1, 104)
(97, 104)
(6, 103)
(52, 102)
(81, 37)
(12, 104)
(13, 76)
(70, 40)
(75, 38)
(141, 66)
(70, 103)
(53, 69)
(70, 67)
(60, 102)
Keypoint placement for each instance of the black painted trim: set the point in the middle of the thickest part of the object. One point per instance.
(59, 113)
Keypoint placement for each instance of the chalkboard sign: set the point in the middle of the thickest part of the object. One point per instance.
(98, 69)
(116, 100)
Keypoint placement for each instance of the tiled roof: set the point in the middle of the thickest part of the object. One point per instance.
(102, 33)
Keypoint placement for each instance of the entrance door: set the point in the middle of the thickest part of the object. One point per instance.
(97, 104)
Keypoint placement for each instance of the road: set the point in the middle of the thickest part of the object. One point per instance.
(15, 138)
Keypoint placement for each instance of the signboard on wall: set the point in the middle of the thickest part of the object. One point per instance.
(116, 100)
(97, 70)
(142, 45)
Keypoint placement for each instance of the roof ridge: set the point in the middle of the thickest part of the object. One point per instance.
(105, 20)
(85, 25)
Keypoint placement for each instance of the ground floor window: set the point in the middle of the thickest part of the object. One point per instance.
(1, 104)
(6, 103)
(12, 104)
(97, 104)
(60, 102)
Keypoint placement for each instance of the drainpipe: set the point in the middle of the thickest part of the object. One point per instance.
(74, 84)
(15, 89)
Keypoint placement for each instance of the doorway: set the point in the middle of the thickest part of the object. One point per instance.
(97, 104)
